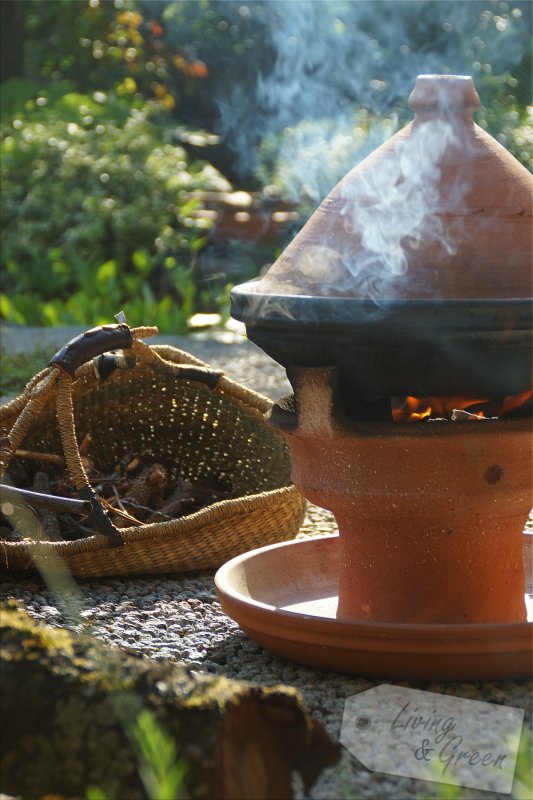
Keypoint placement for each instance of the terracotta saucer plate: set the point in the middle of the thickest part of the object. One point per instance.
(284, 597)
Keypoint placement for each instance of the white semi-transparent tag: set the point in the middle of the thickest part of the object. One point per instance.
(433, 737)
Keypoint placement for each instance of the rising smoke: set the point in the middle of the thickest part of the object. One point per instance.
(328, 60)
(396, 207)
(326, 81)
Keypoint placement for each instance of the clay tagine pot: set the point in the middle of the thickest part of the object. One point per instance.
(414, 274)
(413, 277)
(440, 211)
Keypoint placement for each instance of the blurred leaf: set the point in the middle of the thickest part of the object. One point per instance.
(106, 272)
(13, 96)
(51, 313)
(198, 243)
(96, 793)
(160, 768)
(141, 261)
(8, 312)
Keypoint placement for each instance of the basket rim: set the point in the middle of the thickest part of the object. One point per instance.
(245, 397)
(219, 512)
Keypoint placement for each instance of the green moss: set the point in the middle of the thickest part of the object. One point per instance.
(24, 639)
(72, 708)
(213, 693)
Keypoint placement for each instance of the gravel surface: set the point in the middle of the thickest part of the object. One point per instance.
(178, 617)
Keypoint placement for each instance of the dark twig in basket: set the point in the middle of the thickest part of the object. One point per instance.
(96, 480)
(48, 458)
(7, 534)
(119, 512)
(117, 498)
(137, 507)
(174, 509)
(85, 446)
(39, 500)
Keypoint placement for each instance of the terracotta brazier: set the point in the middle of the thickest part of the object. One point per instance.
(413, 280)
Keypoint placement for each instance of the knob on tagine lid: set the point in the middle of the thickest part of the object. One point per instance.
(439, 211)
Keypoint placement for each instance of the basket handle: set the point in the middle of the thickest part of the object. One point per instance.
(74, 354)
(76, 470)
(92, 343)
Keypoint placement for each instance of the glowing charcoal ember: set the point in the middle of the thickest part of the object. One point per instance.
(409, 409)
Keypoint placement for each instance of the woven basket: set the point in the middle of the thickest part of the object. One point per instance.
(171, 406)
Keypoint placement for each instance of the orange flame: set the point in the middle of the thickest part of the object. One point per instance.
(423, 407)
(416, 408)
(514, 401)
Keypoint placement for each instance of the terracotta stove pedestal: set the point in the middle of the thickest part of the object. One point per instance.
(426, 532)
(430, 514)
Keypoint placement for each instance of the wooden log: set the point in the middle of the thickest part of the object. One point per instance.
(69, 705)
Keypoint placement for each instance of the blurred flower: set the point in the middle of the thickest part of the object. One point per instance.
(169, 102)
(160, 90)
(198, 69)
(194, 68)
(131, 18)
(179, 62)
(155, 28)
(130, 87)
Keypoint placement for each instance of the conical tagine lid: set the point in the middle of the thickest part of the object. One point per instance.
(439, 211)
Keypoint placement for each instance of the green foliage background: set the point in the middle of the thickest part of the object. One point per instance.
(98, 97)
(99, 216)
